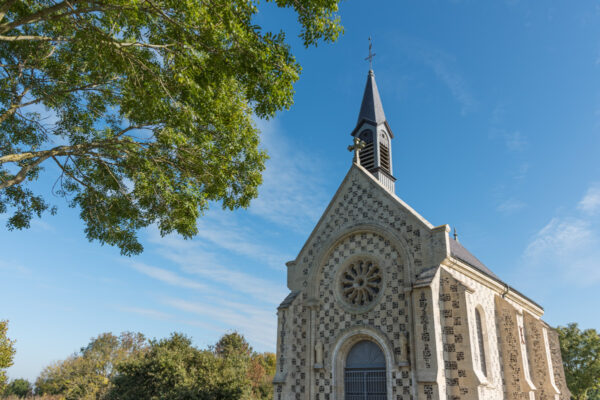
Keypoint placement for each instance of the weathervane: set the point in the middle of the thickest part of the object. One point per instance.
(358, 145)
(371, 55)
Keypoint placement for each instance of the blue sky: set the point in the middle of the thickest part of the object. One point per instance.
(495, 107)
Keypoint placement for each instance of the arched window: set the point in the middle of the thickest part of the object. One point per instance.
(480, 344)
(367, 154)
(364, 375)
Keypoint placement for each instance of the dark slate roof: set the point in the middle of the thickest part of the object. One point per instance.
(458, 251)
(289, 299)
(371, 108)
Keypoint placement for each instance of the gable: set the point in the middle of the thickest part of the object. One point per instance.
(361, 203)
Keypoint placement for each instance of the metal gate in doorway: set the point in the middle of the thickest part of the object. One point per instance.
(365, 384)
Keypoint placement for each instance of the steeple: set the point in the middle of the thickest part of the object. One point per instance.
(371, 108)
(373, 129)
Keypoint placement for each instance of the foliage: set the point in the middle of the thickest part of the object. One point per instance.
(261, 373)
(581, 359)
(173, 369)
(143, 107)
(260, 367)
(232, 344)
(88, 374)
(19, 387)
(42, 397)
(7, 352)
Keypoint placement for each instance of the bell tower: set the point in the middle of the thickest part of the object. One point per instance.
(374, 131)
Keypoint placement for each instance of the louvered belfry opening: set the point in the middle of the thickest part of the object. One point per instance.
(364, 375)
(384, 156)
(367, 154)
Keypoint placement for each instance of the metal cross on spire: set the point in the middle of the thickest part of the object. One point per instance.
(371, 54)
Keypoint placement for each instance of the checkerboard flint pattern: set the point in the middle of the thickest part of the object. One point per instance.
(389, 315)
(297, 379)
(364, 202)
(359, 202)
(456, 338)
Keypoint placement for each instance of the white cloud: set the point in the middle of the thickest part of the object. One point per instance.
(515, 141)
(206, 265)
(169, 277)
(454, 82)
(568, 247)
(147, 312)
(14, 267)
(292, 193)
(510, 206)
(590, 204)
(444, 67)
(256, 324)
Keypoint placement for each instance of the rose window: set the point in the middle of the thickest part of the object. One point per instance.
(360, 283)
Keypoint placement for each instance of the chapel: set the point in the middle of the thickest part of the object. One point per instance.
(385, 306)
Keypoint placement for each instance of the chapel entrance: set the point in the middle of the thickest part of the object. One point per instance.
(364, 375)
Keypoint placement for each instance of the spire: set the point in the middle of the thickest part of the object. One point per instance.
(371, 108)
(372, 134)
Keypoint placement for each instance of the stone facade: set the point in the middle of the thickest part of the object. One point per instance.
(448, 329)
(375, 270)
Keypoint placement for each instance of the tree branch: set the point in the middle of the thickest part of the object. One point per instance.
(22, 174)
(30, 37)
(69, 174)
(5, 7)
(37, 16)
(14, 107)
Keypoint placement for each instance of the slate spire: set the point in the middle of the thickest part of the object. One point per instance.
(375, 135)
(371, 108)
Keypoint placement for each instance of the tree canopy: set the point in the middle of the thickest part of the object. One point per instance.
(142, 107)
(19, 387)
(580, 352)
(130, 367)
(88, 374)
(7, 352)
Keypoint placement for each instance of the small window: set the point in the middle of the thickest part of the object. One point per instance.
(480, 343)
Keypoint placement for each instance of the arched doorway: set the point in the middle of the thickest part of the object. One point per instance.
(364, 373)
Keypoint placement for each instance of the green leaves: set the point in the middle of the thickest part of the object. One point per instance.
(580, 352)
(7, 352)
(153, 101)
(88, 374)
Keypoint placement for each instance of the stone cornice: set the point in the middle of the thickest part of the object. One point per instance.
(499, 287)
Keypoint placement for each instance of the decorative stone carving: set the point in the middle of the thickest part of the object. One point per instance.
(319, 355)
(360, 283)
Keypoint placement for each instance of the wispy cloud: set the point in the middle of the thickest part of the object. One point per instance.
(292, 193)
(205, 264)
(510, 206)
(14, 267)
(147, 312)
(257, 324)
(568, 246)
(444, 66)
(590, 204)
(515, 141)
(169, 277)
